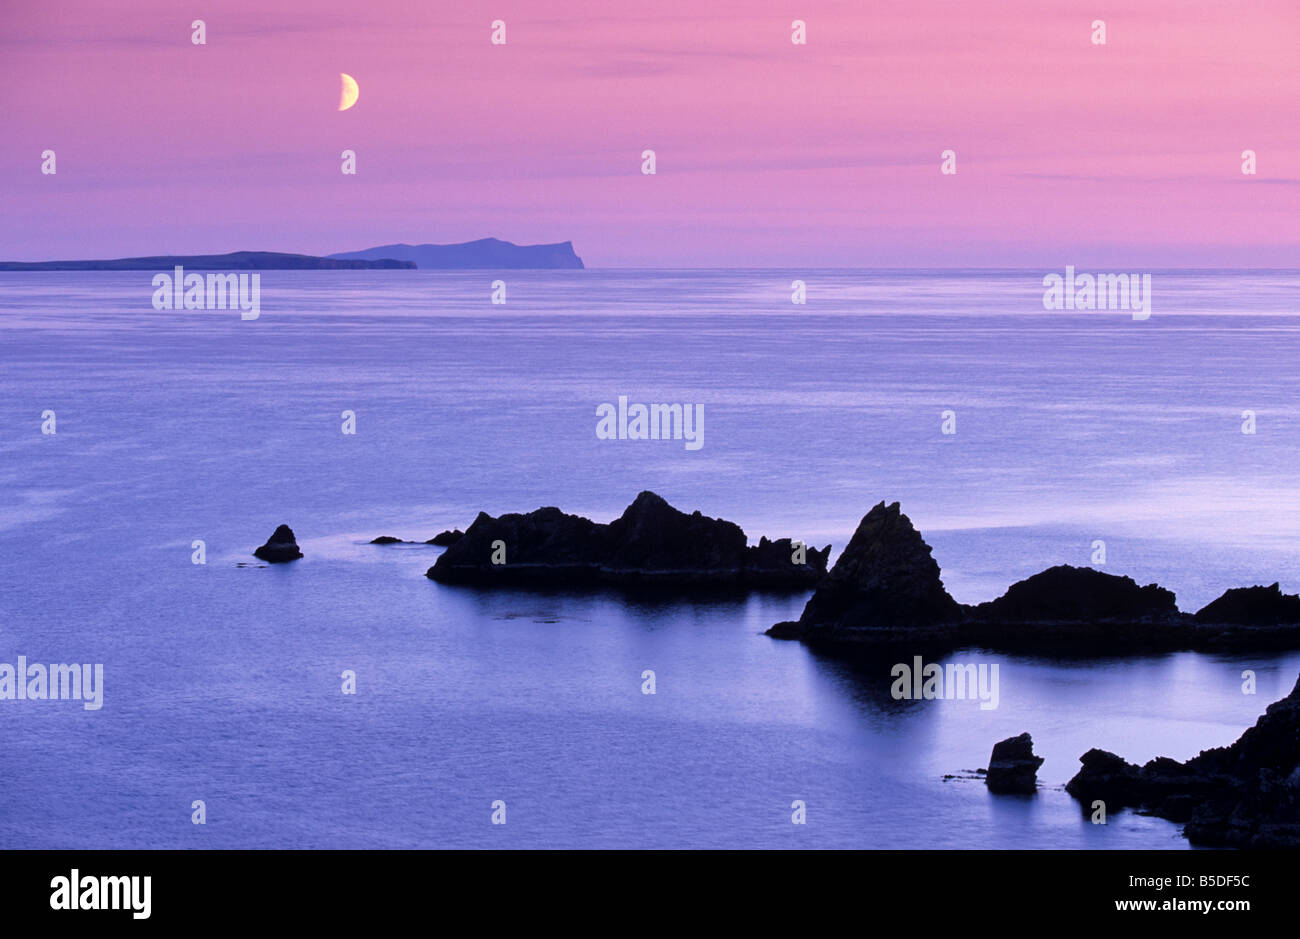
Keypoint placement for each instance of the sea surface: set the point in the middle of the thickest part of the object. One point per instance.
(222, 681)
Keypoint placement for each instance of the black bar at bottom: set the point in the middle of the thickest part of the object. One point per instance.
(367, 888)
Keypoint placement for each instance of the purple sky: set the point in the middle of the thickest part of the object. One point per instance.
(1123, 156)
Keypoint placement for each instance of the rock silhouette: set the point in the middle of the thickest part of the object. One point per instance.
(1078, 594)
(650, 544)
(884, 586)
(446, 538)
(886, 589)
(280, 547)
(1252, 606)
(1013, 766)
(1244, 795)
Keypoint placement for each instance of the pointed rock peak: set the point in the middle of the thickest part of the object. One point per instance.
(646, 497)
(886, 536)
(885, 576)
(648, 504)
(281, 546)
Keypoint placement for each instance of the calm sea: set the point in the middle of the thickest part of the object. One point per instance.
(222, 681)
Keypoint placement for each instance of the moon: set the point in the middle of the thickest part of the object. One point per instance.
(349, 93)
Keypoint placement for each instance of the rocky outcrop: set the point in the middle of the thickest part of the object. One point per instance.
(1243, 795)
(650, 544)
(1080, 608)
(280, 547)
(1078, 594)
(1013, 767)
(886, 589)
(442, 539)
(1252, 606)
(885, 586)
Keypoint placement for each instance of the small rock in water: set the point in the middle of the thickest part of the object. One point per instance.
(1013, 767)
(280, 547)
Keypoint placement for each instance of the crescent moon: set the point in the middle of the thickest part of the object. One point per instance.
(349, 93)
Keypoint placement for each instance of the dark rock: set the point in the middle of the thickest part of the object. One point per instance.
(1107, 777)
(1078, 594)
(387, 539)
(886, 589)
(280, 547)
(1244, 795)
(1252, 606)
(650, 544)
(786, 629)
(884, 586)
(1013, 767)
(1080, 609)
(445, 539)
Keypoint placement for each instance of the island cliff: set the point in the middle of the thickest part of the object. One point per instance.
(490, 254)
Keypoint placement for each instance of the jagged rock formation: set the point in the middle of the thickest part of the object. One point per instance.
(280, 547)
(1243, 795)
(884, 586)
(650, 544)
(886, 589)
(1013, 766)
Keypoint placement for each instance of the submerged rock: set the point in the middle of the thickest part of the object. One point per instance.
(1013, 767)
(280, 547)
(1243, 795)
(885, 585)
(651, 544)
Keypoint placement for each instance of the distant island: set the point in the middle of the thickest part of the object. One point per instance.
(235, 261)
(484, 254)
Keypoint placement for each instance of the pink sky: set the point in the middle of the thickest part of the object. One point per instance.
(1120, 156)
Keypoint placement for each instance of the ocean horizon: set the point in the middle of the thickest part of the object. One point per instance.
(222, 679)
